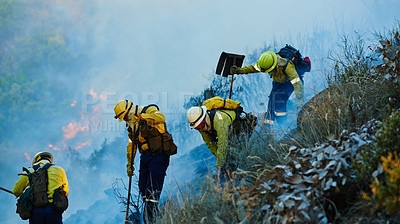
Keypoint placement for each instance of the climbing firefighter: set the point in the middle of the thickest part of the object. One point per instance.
(214, 127)
(57, 181)
(147, 131)
(285, 81)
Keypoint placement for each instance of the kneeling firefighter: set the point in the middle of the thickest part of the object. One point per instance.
(148, 132)
(218, 120)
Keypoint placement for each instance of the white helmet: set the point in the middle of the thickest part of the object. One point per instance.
(195, 115)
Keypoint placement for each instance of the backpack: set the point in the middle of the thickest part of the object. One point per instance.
(25, 204)
(243, 123)
(155, 140)
(217, 102)
(38, 181)
(301, 64)
(36, 194)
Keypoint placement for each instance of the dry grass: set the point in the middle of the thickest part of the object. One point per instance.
(213, 203)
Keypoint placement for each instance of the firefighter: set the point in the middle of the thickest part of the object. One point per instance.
(214, 127)
(57, 179)
(145, 128)
(285, 81)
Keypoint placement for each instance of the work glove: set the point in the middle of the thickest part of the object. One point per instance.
(235, 70)
(130, 169)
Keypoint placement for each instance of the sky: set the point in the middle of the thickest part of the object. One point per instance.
(166, 51)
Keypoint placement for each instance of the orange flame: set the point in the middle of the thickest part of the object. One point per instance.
(83, 145)
(102, 97)
(27, 156)
(92, 93)
(72, 129)
(54, 147)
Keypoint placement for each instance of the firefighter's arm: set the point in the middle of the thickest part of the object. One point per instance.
(65, 185)
(245, 70)
(153, 116)
(211, 143)
(222, 128)
(131, 148)
(296, 82)
(20, 185)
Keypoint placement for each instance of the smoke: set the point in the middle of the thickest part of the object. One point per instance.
(65, 64)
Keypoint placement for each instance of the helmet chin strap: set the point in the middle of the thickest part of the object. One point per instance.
(207, 126)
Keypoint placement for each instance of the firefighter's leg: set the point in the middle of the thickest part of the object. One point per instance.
(269, 116)
(282, 96)
(157, 169)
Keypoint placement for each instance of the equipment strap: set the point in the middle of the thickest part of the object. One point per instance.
(212, 112)
(150, 105)
(285, 66)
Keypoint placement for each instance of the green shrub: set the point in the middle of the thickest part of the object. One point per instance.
(386, 193)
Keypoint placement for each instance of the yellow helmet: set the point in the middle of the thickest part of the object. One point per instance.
(42, 155)
(195, 115)
(122, 108)
(267, 61)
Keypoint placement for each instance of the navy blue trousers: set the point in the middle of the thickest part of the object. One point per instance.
(151, 180)
(45, 215)
(278, 98)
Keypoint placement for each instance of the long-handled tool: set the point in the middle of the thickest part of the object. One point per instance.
(226, 60)
(8, 191)
(130, 181)
(129, 191)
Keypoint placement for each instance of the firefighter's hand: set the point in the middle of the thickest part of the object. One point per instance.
(234, 70)
(130, 170)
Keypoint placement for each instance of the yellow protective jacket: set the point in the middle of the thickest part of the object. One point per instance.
(57, 178)
(217, 140)
(278, 75)
(153, 117)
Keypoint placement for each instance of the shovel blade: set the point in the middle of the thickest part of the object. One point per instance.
(226, 60)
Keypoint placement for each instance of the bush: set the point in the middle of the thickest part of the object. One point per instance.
(386, 193)
(387, 137)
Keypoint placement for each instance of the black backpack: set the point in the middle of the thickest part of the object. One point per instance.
(36, 194)
(301, 64)
(244, 123)
(38, 182)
